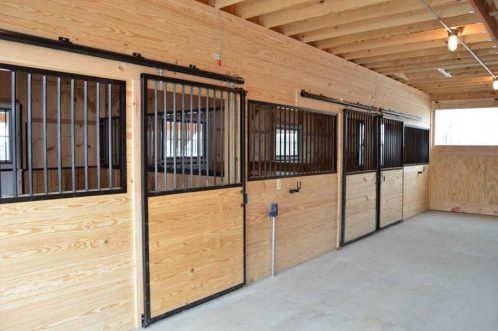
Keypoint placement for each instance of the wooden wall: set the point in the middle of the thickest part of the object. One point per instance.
(306, 225)
(415, 190)
(275, 68)
(464, 179)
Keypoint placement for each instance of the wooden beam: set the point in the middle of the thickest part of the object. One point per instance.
(448, 56)
(413, 55)
(440, 34)
(479, 37)
(409, 17)
(316, 9)
(464, 96)
(253, 8)
(392, 7)
(401, 30)
(483, 9)
(225, 3)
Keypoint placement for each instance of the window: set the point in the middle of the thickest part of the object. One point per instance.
(416, 146)
(286, 145)
(288, 141)
(190, 142)
(471, 127)
(5, 148)
(60, 138)
(193, 135)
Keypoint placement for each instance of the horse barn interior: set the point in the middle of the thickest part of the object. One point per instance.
(249, 165)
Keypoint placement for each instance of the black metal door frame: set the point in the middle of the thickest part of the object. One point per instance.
(378, 171)
(147, 318)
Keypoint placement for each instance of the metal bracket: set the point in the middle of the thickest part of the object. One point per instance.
(65, 40)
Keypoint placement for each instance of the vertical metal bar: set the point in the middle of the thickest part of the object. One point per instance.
(208, 146)
(14, 131)
(200, 135)
(259, 142)
(252, 114)
(165, 133)
(73, 171)
(231, 108)
(345, 142)
(215, 153)
(222, 135)
(174, 140)
(97, 129)
(272, 142)
(109, 130)
(30, 135)
(59, 136)
(155, 135)
(44, 134)
(182, 136)
(265, 142)
(85, 130)
(191, 139)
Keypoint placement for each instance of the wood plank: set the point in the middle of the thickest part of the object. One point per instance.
(306, 224)
(374, 11)
(225, 3)
(253, 8)
(360, 205)
(312, 10)
(483, 10)
(410, 17)
(196, 246)
(470, 39)
(438, 34)
(415, 190)
(391, 201)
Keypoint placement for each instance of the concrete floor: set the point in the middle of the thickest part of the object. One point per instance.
(437, 271)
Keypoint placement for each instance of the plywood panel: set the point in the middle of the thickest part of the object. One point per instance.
(67, 265)
(360, 204)
(415, 190)
(465, 179)
(391, 197)
(306, 224)
(196, 246)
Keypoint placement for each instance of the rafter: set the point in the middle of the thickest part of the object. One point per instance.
(483, 10)
(316, 9)
(384, 22)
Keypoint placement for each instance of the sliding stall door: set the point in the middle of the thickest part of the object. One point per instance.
(391, 183)
(194, 206)
(360, 175)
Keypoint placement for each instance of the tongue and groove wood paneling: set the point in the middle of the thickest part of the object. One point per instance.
(275, 69)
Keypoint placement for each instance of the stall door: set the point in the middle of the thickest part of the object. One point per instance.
(391, 180)
(193, 193)
(360, 175)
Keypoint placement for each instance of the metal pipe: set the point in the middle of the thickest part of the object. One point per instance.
(85, 130)
(109, 136)
(97, 129)
(73, 171)
(29, 137)
(44, 134)
(59, 136)
(273, 240)
(14, 130)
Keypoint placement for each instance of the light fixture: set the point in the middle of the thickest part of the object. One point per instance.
(452, 40)
(444, 72)
(495, 84)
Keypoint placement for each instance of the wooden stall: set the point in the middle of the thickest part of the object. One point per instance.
(87, 251)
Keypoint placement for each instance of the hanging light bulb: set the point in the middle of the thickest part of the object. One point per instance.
(452, 40)
(495, 84)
